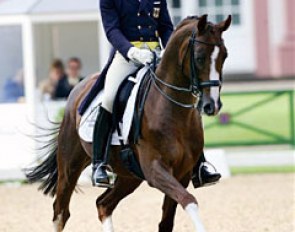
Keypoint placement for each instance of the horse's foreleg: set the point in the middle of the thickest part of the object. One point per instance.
(160, 177)
(111, 198)
(169, 209)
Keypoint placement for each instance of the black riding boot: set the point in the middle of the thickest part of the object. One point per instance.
(101, 133)
(202, 176)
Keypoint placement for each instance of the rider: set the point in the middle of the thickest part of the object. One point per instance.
(133, 28)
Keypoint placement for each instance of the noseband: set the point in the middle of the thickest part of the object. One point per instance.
(196, 85)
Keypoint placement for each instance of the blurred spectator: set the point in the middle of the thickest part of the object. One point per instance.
(56, 73)
(74, 67)
(13, 90)
(70, 80)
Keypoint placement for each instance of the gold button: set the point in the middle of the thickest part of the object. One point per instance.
(139, 27)
(141, 38)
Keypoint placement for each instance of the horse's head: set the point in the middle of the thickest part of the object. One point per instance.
(202, 55)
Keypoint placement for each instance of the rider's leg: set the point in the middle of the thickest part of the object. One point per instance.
(119, 69)
(117, 72)
(202, 176)
(102, 128)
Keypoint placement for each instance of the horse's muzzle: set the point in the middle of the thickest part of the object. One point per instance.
(211, 109)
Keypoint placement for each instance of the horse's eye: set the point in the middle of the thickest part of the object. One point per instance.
(201, 60)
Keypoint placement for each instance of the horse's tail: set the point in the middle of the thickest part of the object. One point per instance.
(46, 172)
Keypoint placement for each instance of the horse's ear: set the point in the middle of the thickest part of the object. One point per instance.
(226, 23)
(202, 23)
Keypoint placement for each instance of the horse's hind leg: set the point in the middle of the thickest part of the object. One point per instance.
(67, 181)
(72, 160)
(169, 209)
(111, 198)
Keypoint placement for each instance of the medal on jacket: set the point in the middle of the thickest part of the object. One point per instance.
(156, 12)
(157, 9)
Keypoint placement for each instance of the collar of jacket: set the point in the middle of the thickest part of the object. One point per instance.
(144, 5)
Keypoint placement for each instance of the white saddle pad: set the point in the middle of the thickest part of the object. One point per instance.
(87, 123)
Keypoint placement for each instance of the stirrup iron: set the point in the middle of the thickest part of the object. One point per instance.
(111, 176)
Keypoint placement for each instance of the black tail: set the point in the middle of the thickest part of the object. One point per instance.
(46, 172)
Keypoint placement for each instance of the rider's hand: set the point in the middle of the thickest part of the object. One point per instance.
(142, 56)
(162, 53)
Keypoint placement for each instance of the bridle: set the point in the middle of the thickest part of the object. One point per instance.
(196, 85)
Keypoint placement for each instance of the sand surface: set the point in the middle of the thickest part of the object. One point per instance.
(256, 203)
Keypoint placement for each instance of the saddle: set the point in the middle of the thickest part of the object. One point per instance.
(127, 154)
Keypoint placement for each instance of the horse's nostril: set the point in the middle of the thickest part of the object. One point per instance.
(209, 109)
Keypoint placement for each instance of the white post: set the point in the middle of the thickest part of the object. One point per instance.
(29, 65)
(29, 80)
(103, 45)
(189, 7)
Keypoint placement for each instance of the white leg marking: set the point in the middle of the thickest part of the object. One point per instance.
(193, 211)
(107, 225)
(214, 76)
(57, 223)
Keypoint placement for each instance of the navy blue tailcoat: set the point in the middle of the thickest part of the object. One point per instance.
(125, 21)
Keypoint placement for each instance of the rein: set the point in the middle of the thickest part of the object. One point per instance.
(196, 85)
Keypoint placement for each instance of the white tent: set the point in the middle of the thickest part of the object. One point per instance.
(35, 18)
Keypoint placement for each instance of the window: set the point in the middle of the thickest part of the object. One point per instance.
(235, 2)
(176, 3)
(202, 3)
(218, 10)
(11, 62)
(175, 6)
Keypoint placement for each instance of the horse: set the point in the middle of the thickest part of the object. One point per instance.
(189, 74)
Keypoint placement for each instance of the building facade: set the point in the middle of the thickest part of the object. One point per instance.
(261, 41)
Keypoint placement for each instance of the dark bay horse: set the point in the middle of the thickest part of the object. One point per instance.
(172, 131)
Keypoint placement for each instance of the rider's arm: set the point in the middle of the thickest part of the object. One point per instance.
(165, 24)
(111, 24)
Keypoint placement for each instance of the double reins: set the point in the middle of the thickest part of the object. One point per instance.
(196, 85)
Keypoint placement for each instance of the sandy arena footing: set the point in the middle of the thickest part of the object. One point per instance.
(256, 203)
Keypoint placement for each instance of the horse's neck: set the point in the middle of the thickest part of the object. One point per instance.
(170, 72)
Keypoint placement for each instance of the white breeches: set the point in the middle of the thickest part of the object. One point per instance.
(116, 74)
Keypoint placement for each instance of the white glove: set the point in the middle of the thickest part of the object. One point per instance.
(162, 53)
(138, 55)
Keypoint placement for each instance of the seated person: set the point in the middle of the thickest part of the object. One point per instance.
(70, 79)
(13, 90)
(48, 86)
